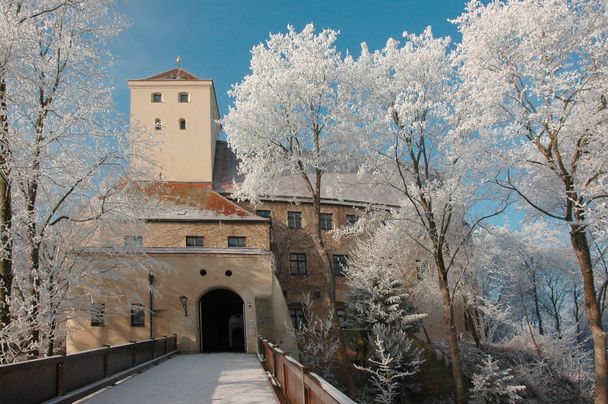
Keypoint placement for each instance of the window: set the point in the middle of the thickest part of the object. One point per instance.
(138, 315)
(182, 124)
(194, 241)
(297, 264)
(340, 263)
(294, 220)
(326, 221)
(183, 97)
(98, 314)
(133, 241)
(263, 213)
(157, 97)
(351, 219)
(236, 242)
(296, 312)
(341, 316)
(158, 125)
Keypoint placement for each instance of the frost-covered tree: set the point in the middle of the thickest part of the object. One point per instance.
(534, 72)
(316, 341)
(388, 365)
(492, 385)
(375, 280)
(415, 144)
(290, 118)
(62, 163)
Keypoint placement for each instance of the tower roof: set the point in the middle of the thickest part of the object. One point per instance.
(174, 74)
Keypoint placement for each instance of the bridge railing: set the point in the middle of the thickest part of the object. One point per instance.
(65, 378)
(297, 384)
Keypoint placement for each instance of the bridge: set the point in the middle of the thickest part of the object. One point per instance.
(153, 371)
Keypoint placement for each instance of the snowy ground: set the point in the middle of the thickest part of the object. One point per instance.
(201, 378)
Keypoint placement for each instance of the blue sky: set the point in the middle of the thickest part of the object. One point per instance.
(214, 37)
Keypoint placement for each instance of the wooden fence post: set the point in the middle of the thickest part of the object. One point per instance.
(133, 353)
(106, 361)
(60, 379)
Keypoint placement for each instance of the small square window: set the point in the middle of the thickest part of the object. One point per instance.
(351, 219)
(263, 213)
(157, 97)
(182, 124)
(326, 221)
(340, 263)
(183, 97)
(297, 264)
(236, 242)
(294, 220)
(194, 241)
(158, 125)
(133, 241)
(98, 314)
(296, 312)
(138, 315)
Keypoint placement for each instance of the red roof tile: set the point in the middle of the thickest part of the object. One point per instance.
(197, 196)
(174, 74)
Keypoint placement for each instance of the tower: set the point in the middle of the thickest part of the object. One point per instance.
(179, 112)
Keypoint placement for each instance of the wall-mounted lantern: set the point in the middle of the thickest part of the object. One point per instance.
(184, 301)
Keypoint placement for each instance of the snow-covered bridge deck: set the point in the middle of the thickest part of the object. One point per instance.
(201, 378)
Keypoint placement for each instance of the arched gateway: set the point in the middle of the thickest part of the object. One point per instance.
(221, 322)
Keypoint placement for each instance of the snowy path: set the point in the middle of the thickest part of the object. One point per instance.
(201, 378)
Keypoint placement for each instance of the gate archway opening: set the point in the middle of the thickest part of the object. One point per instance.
(221, 319)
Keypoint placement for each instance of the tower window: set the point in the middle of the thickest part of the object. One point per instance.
(183, 97)
(157, 124)
(182, 124)
(157, 97)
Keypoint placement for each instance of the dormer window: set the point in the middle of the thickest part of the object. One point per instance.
(158, 124)
(157, 97)
(183, 97)
(182, 124)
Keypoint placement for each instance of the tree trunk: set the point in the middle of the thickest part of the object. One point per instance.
(330, 280)
(6, 269)
(539, 318)
(450, 328)
(578, 238)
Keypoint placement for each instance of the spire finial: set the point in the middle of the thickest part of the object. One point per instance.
(178, 60)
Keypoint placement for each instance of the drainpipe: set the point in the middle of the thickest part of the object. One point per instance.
(151, 281)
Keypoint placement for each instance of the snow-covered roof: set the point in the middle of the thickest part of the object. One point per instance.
(186, 201)
(336, 187)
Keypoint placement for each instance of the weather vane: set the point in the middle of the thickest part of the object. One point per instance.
(178, 60)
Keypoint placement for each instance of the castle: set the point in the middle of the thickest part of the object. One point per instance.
(238, 271)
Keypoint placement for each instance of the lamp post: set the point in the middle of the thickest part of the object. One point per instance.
(184, 301)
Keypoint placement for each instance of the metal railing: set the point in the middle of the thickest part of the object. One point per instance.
(65, 378)
(296, 383)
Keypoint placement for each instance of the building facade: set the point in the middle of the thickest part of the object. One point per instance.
(232, 271)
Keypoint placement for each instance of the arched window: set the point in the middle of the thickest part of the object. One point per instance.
(182, 123)
(157, 97)
(158, 124)
(183, 97)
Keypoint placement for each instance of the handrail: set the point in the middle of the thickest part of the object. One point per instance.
(65, 378)
(297, 385)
